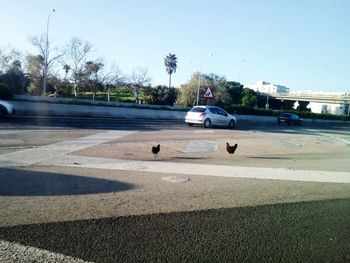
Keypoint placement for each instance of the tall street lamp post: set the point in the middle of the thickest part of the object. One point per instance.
(46, 65)
(267, 99)
(199, 78)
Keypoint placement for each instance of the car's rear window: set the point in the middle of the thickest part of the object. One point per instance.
(213, 110)
(198, 109)
(286, 115)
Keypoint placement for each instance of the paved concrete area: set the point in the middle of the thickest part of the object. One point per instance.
(203, 169)
(113, 173)
(41, 153)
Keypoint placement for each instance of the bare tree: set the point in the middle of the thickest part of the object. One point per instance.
(8, 56)
(43, 45)
(77, 54)
(113, 78)
(139, 79)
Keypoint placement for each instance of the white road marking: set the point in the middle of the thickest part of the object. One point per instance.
(176, 179)
(13, 252)
(201, 146)
(39, 154)
(330, 136)
(204, 131)
(201, 169)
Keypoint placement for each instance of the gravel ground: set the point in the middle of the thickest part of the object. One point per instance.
(13, 252)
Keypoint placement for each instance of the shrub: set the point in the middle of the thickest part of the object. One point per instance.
(5, 91)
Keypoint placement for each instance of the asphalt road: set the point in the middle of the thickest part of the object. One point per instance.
(41, 122)
(49, 122)
(103, 214)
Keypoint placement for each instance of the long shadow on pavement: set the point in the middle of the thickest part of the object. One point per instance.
(15, 182)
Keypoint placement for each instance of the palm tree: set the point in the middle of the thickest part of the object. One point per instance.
(66, 69)
(170, 62)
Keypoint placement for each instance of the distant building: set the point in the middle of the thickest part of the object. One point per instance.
(336, 109)
(322, 107)
(264, 87)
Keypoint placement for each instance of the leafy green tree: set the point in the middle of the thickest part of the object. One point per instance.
(14, 78)
(170, 96)
(11, 73)
(188, 92)
(249, 98)
(5, 91)
(93, 80)
(170, 62)
(160, 95)
(8, 57)
(154, 95)
(234, 89)
(225, 92)
(34, 70)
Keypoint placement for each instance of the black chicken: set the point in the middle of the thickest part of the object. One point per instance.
(155, 150)
(231, 149)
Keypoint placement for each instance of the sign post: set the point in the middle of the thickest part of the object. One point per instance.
(208, 94)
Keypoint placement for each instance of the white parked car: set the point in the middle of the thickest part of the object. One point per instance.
(6, 108)
(210, 116)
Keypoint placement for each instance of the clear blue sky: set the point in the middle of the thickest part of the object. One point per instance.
(302, 44)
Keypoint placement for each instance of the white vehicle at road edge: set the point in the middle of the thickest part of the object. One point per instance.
(210, 116)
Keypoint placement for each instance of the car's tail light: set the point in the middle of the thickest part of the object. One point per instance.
(202, 115)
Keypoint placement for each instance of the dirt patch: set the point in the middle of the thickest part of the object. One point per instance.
(252, 147)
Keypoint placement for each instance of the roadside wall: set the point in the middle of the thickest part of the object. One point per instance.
(55, 109)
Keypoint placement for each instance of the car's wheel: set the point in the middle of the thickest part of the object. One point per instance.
(207, 123)
(190, 124)
(232, 124)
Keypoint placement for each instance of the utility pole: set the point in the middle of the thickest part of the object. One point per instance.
(199, 78)
(46, 62)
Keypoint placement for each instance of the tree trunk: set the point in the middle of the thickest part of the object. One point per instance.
(75, 90)
(108, 95)
(169, 81)
(93, 96)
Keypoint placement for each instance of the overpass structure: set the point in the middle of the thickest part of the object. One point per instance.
(329, 99)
